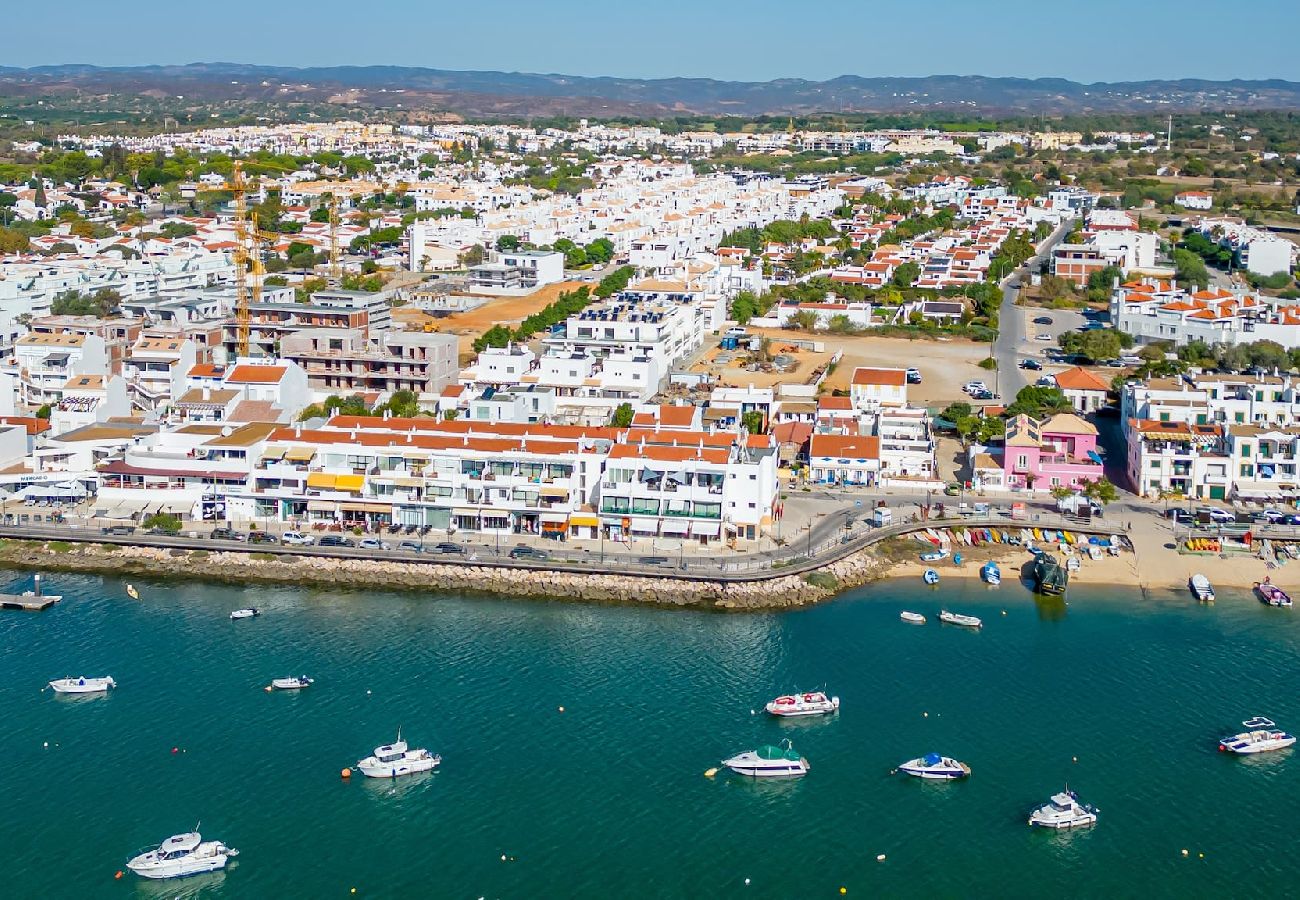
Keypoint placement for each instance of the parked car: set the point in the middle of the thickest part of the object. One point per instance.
(334, 540)
(261, 537)
(1043, 337)
(523, 552)
(1220, 516)
(373, 544)
(1033, 364)
(913, 376)
(410, 547)
(1043, 320)
(226, 534)
(117, 529)
(1181, 516)
(448, 547)
(297, 539)
(971, 387)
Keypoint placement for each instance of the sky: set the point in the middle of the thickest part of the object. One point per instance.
(754, 40)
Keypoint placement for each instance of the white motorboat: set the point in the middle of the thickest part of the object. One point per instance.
(83, 685)
(935, 555)
(1201, 588)
(958, 619)
(930, 576)
(181, 855)
(769, 762)
(813, 703)
(911, 617)
(295, 683)
(1063, 811)
(248, 612)
(1260, 736)
(395, 759)
(934, 767)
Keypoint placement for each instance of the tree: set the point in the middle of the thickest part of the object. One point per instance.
(1061, 492)
(471, 256)
(163, 522)
(753, 421)
(1038, 401)
(743, 307)
(1100, 491)
(956, 411)
(496, 336)
(403, 404)
(1094, 345)
(905, 275)
(507, 243)
(622, 417)
(12, 241)
(1190, 270)
(44, 412)
(804, 319)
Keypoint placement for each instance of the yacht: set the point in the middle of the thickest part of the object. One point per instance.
(958, 619)
(248, 612)
(814, 703)
(392, 760)
(297, 682)
(1260, 736)
(1063, 811)
(83, 685)
(1201, 589)
(930, 576)
(912, 618)
(769, 762)
(991, 573)
(1272, 594)
(181, 855)
(934, 767)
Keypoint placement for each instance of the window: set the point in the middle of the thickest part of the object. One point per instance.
(1245, 451)
(1247, 470)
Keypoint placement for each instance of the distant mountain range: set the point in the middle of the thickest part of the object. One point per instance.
(486, 94)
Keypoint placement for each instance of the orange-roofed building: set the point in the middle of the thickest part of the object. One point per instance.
(840, 460)
(874, 388)
(1086, 391)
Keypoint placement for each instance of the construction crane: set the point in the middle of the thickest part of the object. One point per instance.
(239, 189)
(336, 272)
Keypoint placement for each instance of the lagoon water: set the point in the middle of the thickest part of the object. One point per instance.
(609, 797)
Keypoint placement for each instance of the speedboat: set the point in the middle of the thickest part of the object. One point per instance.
(930, 576)
(392, 760)
(1201, 589)
(934, 767)
(935, 555)
(1261, 736)
(769, 762)
(248, 612)
(181, 855)
(1064, 811)
(83, 685)
(291, 684)
(958, 619)
(991, 573)
(814, 703)
(913, 618)
(1272, 594)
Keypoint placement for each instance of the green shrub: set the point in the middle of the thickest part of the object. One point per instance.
(988, 362)
(821, 579)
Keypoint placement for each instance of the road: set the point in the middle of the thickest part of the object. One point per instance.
(1011, 320)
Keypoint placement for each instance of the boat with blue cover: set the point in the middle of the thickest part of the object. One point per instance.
(930, 576)
(934, 767)
(991, 573)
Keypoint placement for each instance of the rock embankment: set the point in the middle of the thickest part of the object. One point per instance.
(774, 592)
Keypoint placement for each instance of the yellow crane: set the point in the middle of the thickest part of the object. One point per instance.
(243, 254)
(336, 272)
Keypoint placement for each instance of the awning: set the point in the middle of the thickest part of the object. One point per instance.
(583, 520)
(675, 526)
(554, 527)
(555, 517)
(645, 525)
(465, 511)
(416, 454)
(322, 480)
(409, 482)
(704, 529)
(273, 453)
(320, 506)
(352, 483)
(300, 454)
(348, 506)
(554, 491)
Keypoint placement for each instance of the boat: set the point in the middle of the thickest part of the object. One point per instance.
(1261, 736)
(1050, 577)
(930, 576)
(913, 618)
(1272, 594)
(1072, 564)
(83, 685)
(248, 612)
(392, 760)
(291, 684)
(958, 619)
(1201, 589)
(1063, 811)
(991, 573)
(934, 767)
(132, 592)
(935, 555)
(181, 855)
(768, 761)
(813, 703)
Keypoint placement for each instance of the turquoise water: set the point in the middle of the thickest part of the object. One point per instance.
(609, 796)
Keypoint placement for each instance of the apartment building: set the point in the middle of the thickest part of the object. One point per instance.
(346, 361)
(1060, 451)
(43, 363)
(1153, 310)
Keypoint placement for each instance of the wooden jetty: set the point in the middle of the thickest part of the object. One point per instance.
(29, 601)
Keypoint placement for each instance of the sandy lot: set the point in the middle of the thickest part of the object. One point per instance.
(945, 365)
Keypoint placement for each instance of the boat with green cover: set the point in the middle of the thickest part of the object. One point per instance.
(1050, 577)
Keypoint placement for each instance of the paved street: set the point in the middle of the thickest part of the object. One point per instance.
(1013, 342)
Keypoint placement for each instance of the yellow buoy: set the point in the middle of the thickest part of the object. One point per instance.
(346, 773)
(709, 773)
(843, 890)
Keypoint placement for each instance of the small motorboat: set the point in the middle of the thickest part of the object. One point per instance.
(991, 573)
(781, 761)
(295, 683)
(1272, 594)
(132, 592)
(953, 618)
(395, 759)
(930, 576)
(1063, 811)
(181, 855)
(1201, 589)
(248, 612)
(813, 703)
(1261, 736)
(934, 767)
(911, 617)
(83, 685)
(935, 555)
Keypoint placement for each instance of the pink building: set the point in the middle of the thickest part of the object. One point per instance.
(1061, 451)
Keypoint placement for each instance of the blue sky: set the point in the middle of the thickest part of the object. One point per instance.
(1102, 40)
